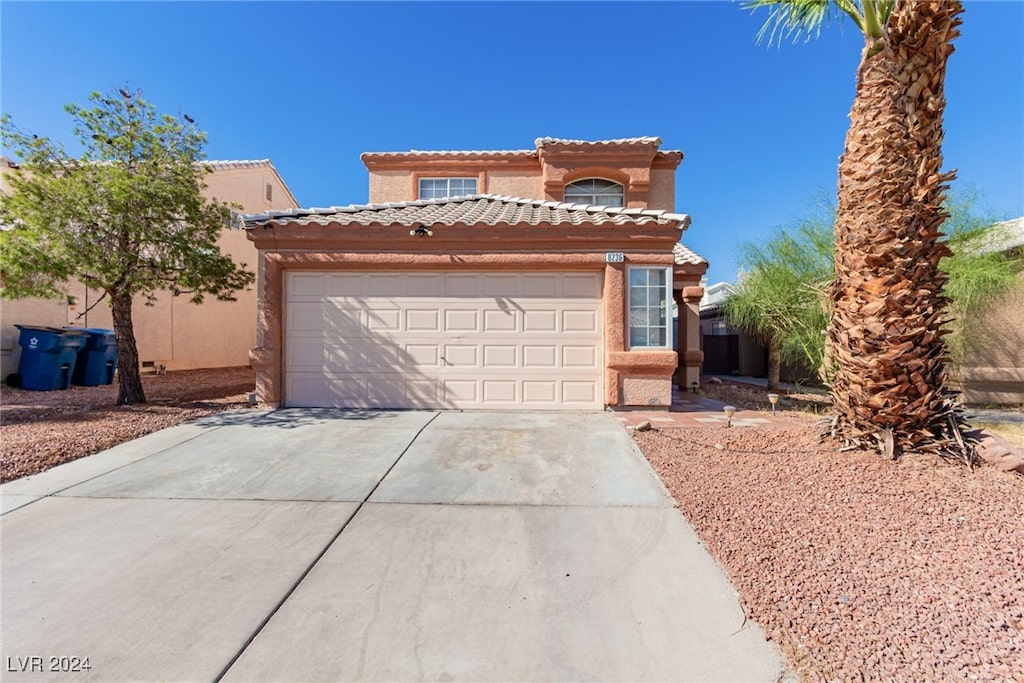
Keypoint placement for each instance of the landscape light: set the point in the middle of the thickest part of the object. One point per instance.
(773, 399)
(729, 412)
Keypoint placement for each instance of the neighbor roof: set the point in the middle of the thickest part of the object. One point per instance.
(486, 209)
(526, 153)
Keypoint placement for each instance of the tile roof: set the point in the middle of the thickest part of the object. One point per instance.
(241, 163)
(684, 255)
(452, 153)
(539, 142)
(486, 209)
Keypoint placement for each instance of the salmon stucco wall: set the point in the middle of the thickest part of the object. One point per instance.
(632, 377)
(663, 190)
(515, 184)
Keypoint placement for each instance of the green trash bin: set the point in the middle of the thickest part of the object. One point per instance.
(97, 359)
(48, 356)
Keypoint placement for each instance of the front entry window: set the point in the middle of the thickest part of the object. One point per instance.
(650, 296)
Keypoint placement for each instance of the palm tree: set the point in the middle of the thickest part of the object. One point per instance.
(888, 307)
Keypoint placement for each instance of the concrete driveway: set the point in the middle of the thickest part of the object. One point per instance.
(329, 545)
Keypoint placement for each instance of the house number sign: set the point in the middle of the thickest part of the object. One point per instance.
(614, 257)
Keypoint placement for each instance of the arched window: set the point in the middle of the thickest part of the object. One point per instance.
(595, 191)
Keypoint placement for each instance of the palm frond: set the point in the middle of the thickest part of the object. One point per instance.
(805, 18)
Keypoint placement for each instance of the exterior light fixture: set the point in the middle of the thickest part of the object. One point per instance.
(729, 412)
(421, 231)
(773, 399)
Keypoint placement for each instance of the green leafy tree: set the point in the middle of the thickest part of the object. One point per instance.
(885, 335)
(126, 217)
(780, 297)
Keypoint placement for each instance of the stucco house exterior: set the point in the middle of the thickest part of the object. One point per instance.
(993, 370)
(173, 333)
(538, 279)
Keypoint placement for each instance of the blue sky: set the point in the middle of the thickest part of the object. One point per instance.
(312, 85)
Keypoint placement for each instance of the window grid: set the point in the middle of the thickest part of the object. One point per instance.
(649, 299)
(595, 192)
(438, 188)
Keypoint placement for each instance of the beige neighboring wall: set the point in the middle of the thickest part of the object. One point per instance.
(174, 332)
(993, 371)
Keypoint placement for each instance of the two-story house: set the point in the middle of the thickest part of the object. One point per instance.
(540, 279)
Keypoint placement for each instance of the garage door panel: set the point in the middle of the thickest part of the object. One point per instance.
(539, 391)
(457, 391)
(499, 321)
(345, 284)
(461, 355)
(579, 392)
(501, 355)
(427, 284)
(579, 356)
(500, 391)
(305, 354)
(445, 340)
(423, 356)
(540, 356)
(462, 285)
(582, 285)
(423, 320)
(461, 320)
(306, 286)
(540, 321)
(579, 321)
(501, 285)
(383, 285)
(541, 286)
(384, 320)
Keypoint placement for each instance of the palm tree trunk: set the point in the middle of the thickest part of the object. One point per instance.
(885, 332)
(129, 381)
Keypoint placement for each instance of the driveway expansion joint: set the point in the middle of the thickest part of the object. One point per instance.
(302, 577)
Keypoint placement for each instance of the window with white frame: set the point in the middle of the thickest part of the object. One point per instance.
(650, 295)
(595, 192)
(437, 188)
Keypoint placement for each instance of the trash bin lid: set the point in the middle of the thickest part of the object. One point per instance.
(40, 328)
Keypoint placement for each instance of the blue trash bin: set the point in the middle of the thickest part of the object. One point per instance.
(97, 359)
(48, 356)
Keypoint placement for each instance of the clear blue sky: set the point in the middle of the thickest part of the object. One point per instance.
(312, 85)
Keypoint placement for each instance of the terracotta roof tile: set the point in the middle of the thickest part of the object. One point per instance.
(241, 163)
(540, 142)
(684, 255)
(486, 209)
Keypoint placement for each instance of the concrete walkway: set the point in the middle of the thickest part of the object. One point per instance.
(328, 545)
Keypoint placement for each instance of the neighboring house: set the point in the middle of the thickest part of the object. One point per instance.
(729, 351)
(993, 371)
(535, 279)
(172, 333)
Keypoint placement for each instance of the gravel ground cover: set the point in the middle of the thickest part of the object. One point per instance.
(41, 429)
(860, 568)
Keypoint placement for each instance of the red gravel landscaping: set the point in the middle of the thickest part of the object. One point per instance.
(858, 567)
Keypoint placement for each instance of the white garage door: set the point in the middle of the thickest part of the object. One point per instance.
(444, 340)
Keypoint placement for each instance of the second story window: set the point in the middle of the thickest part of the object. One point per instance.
(436, 188)
(595, 192)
